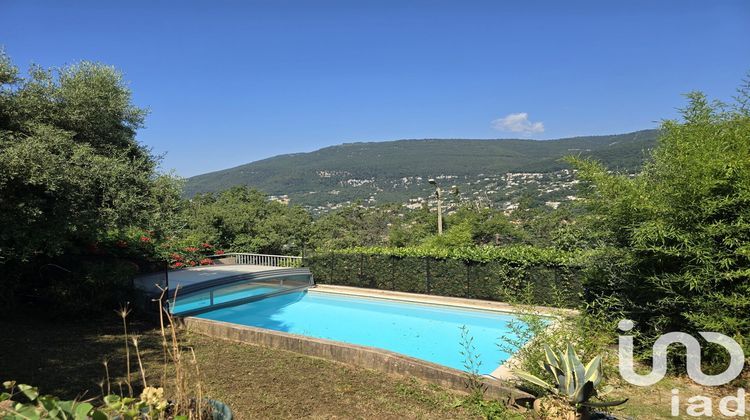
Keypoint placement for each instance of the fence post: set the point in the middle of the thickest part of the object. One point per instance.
(428, 278)
(332, 265)
(361, 271)
(373, 278)
(393, 271)
(468, 278)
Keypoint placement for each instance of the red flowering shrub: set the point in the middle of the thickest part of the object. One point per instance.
(177, 252)
(132, 242)
(188, 255)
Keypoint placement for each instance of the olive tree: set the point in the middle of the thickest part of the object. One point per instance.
(71, 169)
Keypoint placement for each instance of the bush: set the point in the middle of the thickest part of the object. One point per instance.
(591, 331)
(675, 250)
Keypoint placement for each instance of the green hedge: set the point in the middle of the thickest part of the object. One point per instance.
(509, 274)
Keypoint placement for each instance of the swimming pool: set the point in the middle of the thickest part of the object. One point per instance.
(424, 331)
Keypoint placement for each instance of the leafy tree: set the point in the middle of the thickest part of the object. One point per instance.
(71, 170)
(677, 235)
(392, 225)
(458, 235)
(74, 180)
(485, 225)
(242, 219)
(356, 225)
(414, 227)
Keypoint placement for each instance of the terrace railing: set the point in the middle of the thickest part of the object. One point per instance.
(266, 260)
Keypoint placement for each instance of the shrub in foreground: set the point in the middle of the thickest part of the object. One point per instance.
(676, 237)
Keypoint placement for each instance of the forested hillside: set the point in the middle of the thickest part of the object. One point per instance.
(396, 171)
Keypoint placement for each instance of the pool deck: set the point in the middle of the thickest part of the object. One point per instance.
(485, 305)
(195, 275)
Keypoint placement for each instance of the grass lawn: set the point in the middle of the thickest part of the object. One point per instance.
(66, 360)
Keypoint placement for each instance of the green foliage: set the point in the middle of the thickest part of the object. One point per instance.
(472, 364)
(356, 226)
(72, 175)
(460, 235)
(674, 238)
(474, 224)
(242, 219)
(394, 226)
(486, 226)
(573, 381)
(520, 255)
(491, 409)
(563, 228)
(410, 228)
(70, 167)
(488, 409)
(486, 272)
(150, 404)
(591, 331)
(183, 253)
(42, 406)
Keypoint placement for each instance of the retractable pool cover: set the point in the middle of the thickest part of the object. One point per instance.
(235, 290)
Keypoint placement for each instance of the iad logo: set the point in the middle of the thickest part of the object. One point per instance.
(659, 368)
(697, 405)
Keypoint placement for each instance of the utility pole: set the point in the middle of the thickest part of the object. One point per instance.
(438, 194)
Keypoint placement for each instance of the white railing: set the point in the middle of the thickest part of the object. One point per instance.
(243, 258)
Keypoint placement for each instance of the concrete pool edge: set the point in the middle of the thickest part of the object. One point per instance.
(352, 354)
(463, 303)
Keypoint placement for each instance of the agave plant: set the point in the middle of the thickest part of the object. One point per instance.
(574, 382)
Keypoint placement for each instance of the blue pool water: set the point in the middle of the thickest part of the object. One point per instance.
(428, 332)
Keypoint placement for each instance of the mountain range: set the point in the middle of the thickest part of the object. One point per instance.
(397, 171)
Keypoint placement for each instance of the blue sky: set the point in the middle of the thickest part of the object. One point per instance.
(232, 82)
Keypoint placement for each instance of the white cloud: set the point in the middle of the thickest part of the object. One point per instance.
(518, 123)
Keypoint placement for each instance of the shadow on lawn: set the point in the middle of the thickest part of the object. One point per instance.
(65, 358)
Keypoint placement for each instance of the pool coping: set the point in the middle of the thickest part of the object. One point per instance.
(499, 384)
(485, 305)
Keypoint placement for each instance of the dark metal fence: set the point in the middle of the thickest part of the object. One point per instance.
(499, 281)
